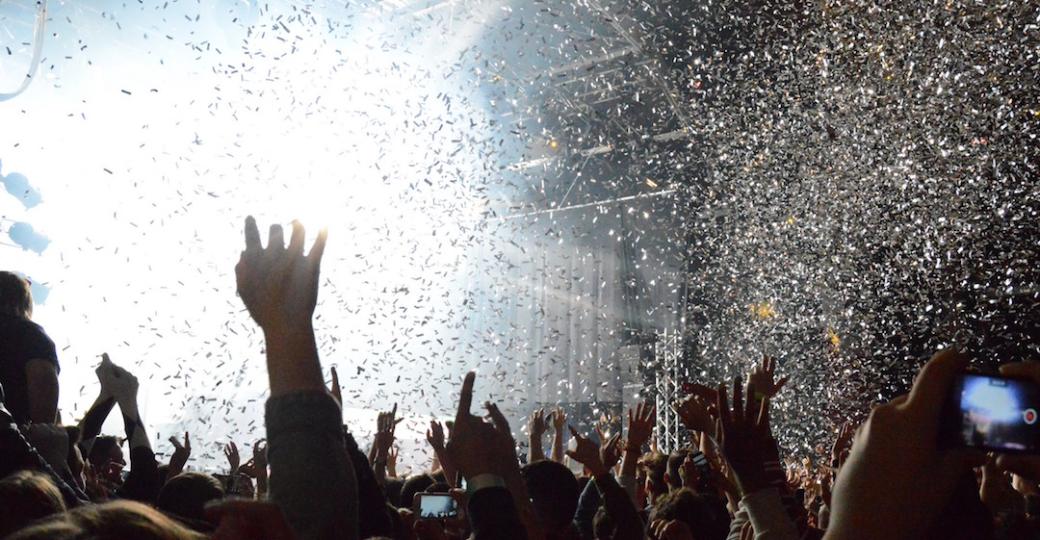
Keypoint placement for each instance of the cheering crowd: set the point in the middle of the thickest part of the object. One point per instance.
(888, 478)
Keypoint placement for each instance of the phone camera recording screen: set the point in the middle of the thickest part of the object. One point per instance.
(999, 413)
(437, 507)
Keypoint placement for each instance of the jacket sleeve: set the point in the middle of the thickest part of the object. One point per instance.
(628, 525)
(312, 479)
(373, 518)
(143, 482)
(768, 515)
(588, 504)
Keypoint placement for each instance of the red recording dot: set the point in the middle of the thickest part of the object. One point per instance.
(1029, 415)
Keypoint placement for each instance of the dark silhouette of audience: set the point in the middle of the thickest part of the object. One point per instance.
(888, 478)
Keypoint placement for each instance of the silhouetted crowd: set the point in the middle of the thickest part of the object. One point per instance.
(888, 478)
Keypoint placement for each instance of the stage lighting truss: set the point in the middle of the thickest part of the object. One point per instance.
(668, 380)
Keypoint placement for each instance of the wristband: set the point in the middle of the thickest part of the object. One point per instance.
(482, 481)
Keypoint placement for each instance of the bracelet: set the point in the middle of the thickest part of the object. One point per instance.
(482, 481)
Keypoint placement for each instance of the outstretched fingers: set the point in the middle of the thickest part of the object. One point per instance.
(497, 418)
(275, 239)
(252, 235)
(318, 249)
(465, 398)
(297, 238)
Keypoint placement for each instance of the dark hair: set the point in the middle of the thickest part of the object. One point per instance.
(602, 525)
(15, 295)
(655, 464)
(413, 485)
(392, 487)
(554, 492)
(186, 495)
(438, 487)
(119, 519)
(102, 448)
(698, 512)
(26, 496)
(675, 462)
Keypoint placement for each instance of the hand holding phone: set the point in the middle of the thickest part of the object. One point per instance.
(994, 413)
(438, 506)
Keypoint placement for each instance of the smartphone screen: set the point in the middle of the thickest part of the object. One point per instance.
(437, 506)
(995, 413)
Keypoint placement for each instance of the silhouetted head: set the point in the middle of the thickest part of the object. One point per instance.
(554, 492)
(15, 296)
(26, 496)
(655, 464)
(711, 521)
(413, 485)
(106, 458)
(186, 495)
(119, 519)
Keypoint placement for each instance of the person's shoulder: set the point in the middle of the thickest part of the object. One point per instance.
(23, 327)
(25, 331)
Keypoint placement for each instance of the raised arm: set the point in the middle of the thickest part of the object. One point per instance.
(619, 506)
(179, 457)
(386, 425)
(640, 427)
(143, 482)
(312, 479)
(743, 434)
(559, 419)
(90, 425)
(535, 433)
(435, 436)
(498, 507)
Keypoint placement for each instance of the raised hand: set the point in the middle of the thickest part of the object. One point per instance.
(257, 465)
(695, 414)
(386, 425)
(842, 445)
(106, 375)
(180, 455)
(231, 453)
(435, 436)
(279, 284)
(610, 451)
(118, 382)
(641, 424)
(763, 378)
(587, 453)
(468, 446)
(537, 426)
(260, 453)
(279, 287)
(559, 419)
(743, 436)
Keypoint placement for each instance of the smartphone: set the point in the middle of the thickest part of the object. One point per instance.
(993, 413)
(436, 506)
